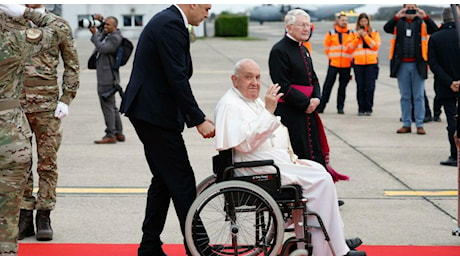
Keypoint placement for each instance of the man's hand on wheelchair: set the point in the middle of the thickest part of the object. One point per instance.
(207, 129)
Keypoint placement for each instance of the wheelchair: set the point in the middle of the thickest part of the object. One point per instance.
(248, 215)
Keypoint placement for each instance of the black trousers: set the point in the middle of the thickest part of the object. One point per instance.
(344, 78)
(450, 109)
(173, 178)
(436, 107)
(365, 76)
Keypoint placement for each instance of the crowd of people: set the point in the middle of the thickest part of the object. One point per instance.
(159, 103)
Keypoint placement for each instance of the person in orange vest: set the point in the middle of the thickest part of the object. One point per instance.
(365, 63)
(408, 61)
(336, 44)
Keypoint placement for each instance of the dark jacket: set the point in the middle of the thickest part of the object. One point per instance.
(444, 59)
(159, 91)
(395, 61)
(287, 66)
(106, 45)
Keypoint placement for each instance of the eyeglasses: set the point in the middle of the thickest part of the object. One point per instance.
(304, 25)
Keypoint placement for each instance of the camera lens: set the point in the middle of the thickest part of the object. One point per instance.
(86, 23)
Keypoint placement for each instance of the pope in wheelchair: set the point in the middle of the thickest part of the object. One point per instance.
(247, 127)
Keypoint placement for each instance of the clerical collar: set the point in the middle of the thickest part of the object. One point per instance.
(255, 105)
(237, 91)
(292, 38)
(183, 16)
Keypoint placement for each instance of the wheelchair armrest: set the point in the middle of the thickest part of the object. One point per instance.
(293, 190)
(253, 164)
(250, 164)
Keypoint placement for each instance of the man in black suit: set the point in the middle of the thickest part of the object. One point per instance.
(444, 61)
(158, 102)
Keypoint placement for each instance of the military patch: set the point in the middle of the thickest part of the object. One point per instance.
(33, 34)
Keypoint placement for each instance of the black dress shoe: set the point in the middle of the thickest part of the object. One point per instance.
(341, 202)
(353, 243)
(356, 253)
(449, 162)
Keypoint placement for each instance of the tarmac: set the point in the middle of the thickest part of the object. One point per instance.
(398, 193)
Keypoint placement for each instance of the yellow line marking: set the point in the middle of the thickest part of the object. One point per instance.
(100, 190)
(421, 193)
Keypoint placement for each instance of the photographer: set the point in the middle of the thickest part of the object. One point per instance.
(408, 61)
(106, 39)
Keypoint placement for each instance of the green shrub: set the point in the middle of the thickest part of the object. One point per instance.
(231, 26)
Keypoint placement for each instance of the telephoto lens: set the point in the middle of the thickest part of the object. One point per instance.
(87, 23)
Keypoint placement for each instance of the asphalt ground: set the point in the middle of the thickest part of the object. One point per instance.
(398, 193)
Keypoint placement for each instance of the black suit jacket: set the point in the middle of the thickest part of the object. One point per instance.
(159, 91)
(444, 59)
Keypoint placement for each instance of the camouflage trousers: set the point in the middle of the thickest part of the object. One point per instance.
(15, 160)
(48, 135)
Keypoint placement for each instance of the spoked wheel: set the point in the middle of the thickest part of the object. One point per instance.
(204, 184)
(234, 218)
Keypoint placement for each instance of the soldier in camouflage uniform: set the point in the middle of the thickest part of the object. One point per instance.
(16, 44)
(44, 110)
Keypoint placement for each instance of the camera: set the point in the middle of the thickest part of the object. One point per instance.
(87, 23)
(362, 27)
(411, 11)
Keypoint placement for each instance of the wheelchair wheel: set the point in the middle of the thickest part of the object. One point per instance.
(234, 218)
(204, 184)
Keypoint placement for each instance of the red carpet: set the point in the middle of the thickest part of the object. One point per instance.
(52, 249)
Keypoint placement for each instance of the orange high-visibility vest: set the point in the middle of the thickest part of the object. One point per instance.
(339, 53)
(366, 56)
(307, 45)
(424, 42)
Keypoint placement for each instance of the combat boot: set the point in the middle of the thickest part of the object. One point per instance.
(43, 222)
(26, 224)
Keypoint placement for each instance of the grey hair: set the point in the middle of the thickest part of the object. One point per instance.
(291, 16)
(238, 64)
(448, 15)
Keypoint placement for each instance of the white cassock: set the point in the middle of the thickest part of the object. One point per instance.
(255, 134)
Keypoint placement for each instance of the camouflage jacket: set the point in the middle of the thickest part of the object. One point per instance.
(41, 89)
(15, 47)
(17, 42)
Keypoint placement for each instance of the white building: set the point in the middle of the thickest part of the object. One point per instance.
(131, 17)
